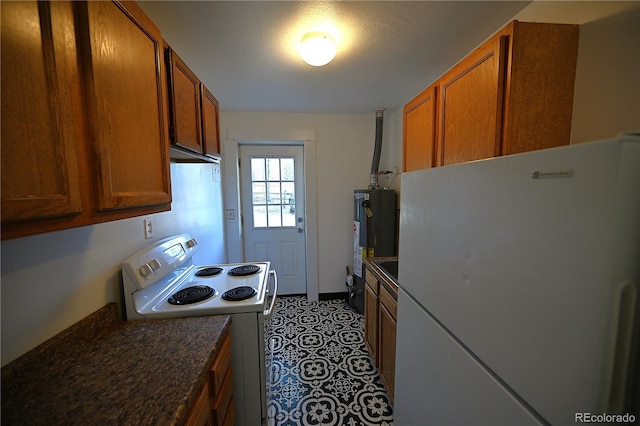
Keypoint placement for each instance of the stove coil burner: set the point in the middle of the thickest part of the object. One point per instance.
(208, 272)
(193, 294)
(239, 293)
(244, 270)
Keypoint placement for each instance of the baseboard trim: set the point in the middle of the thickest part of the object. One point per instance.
(333, 296)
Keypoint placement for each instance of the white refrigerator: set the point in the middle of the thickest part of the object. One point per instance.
(518, 300)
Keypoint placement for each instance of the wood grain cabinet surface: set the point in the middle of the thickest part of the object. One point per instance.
(214, 403)
(125, 88)
(380, 309)
(184, 89)
(84, 127)
(419, 127)
(512, 94)
(471, 106)
(40, 75)
(387, 324)
(371, 315)
(210, 121)
(194, 111)
(221, 386)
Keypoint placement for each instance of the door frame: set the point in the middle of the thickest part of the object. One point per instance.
(233, 226)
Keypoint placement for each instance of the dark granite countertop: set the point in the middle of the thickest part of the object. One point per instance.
(390, 284)
(106, 371)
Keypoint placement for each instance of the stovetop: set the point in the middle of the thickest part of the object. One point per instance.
(152, 276)
(154, 301)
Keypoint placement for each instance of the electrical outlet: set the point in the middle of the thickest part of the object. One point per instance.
(148, 228)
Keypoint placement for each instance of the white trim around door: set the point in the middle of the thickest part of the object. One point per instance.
(233, 210)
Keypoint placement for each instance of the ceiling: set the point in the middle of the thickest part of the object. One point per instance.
(244, 51)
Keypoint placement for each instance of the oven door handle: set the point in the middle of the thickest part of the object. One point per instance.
(269, 311)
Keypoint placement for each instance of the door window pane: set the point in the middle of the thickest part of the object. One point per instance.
(257, 169)
(287, 169)
(259, 216)
(274, 216)
(273, 168)
(288, 215)
(273, 192)
(258, 194)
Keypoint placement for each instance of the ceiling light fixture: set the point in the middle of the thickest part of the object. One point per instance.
(317, 48)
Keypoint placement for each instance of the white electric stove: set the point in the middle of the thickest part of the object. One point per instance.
(161, 281)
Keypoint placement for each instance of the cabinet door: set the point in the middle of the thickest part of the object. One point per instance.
(185, 105)
(126, 98)
(210, 123)
(420, 131)
(387, 336)
(539, 87)
(200, 412)
(39, 72)
(471, 97)
(371, 322)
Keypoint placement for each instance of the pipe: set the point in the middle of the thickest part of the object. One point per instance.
(375, 164)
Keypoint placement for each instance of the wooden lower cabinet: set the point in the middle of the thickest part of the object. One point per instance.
(380, 308)
(214, 404)
(200, 413)
(221, 386)
(387, 339)
(371, 318)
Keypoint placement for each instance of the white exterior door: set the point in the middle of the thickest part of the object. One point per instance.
(273, 211)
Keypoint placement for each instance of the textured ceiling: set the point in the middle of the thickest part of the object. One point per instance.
(388, 51)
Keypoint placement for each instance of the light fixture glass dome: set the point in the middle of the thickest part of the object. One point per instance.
(317, 48)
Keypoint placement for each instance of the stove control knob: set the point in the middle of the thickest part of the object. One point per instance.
(192, 243)
(155, 264)
(145, 270)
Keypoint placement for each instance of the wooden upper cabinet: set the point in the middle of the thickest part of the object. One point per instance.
(539, 86)
(84, 123)
(210, 122)
(194, 113)
(512, 94)
(471, 106)
(39, 74)
(126, 99)
(184, 88)
(419, 127)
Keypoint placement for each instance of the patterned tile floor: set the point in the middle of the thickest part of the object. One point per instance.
(321, 372)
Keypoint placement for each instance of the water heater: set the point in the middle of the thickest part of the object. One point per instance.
(374, 234)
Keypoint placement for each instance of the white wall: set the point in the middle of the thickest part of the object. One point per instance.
(344, 151)
(53, 280)
(607, 90)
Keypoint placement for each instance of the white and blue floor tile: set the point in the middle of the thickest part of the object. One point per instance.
(321, 372)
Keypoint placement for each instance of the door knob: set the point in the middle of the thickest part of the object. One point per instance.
(300, 230)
